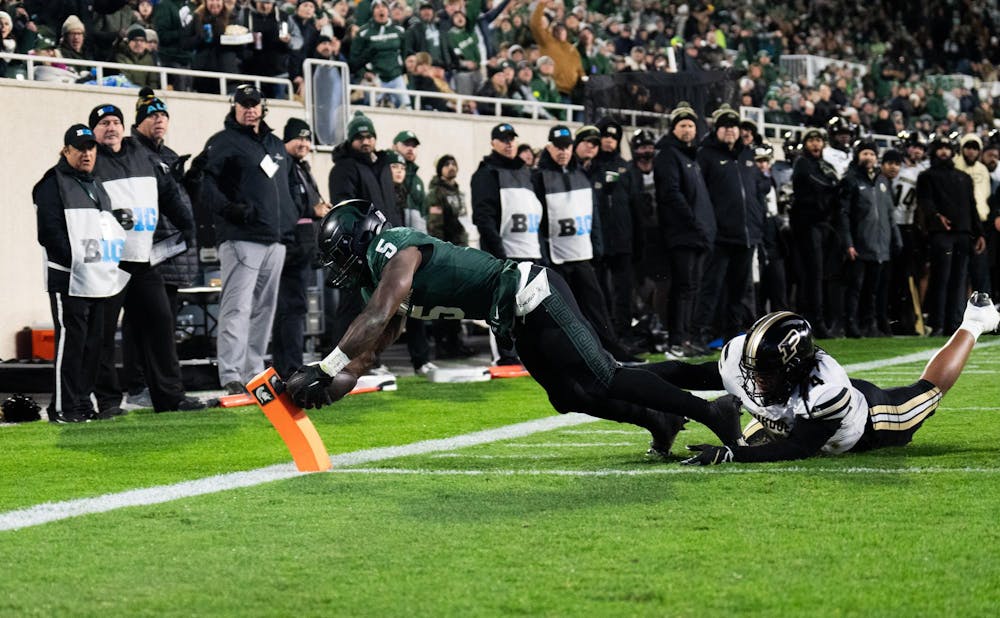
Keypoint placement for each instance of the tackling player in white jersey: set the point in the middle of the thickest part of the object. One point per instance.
(803, 403)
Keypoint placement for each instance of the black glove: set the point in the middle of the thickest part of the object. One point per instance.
(308, 387)
(177, 167)
(237, 213)
(124, 218)
(708, 455)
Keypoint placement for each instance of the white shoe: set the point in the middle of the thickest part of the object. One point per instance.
(426, 368)
(985, 316)
(381, 370)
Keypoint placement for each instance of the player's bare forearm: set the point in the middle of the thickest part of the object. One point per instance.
(378, 324)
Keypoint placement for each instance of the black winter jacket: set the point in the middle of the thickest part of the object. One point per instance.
(737, 190)
(485, 189)
(246, 202)
(684, 209)
(866, 223)
(814, 189)
(356, 175)
(944, 190)
(181, 270)
(617, 203)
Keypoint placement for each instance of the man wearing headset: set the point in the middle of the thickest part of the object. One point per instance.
(246, 186)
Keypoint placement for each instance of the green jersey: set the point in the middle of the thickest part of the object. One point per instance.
(452, 283)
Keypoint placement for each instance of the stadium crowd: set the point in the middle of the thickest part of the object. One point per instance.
(906, 66)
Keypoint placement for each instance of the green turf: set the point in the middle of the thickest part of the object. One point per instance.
(569, 522)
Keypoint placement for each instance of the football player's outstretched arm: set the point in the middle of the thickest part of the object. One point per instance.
(375, 328)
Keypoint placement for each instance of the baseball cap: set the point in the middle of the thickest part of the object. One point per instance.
(560, 136)
(406, 136)
(79, 136)
(503, 131)
(247, 95)
(391, 156)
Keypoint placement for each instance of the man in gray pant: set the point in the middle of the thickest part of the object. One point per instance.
(246, 186)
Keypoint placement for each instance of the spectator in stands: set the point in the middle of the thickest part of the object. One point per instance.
(210, 22)
(74, 210)
(269, 53)
(424, 36)
(813, 216)
(687, 225)
(376, 53)
(72, 44)
(423, 80)
(736, 189)
(141, 190)
(552, 42)
(543, 85)
(246, 186)
(298, 272)
(521, 89)
(946, 200)
(303, 31)
(174, 21)
(871, 238)
(406, 144)
(466, 60)
(110, 28)
(132, 50)
(445, 210)
(594, 61)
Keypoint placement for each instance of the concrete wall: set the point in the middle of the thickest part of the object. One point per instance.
(37, 114)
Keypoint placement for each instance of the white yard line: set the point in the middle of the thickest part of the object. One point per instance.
(55, 511)
(673, 470)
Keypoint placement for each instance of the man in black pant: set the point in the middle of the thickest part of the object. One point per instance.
(505, 209)
(814, 210)
(359, 172)
(82, 244)
(947, 203)
(617, 201)
(298, 272)
(139, 189)
(736, 189)
(686, 222)
(587, 143)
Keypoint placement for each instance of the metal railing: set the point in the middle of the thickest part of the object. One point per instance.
(776, 132)
(808, 66)
(417, 96)
(99, 68)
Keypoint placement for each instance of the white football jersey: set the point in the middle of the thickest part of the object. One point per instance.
(904, 193)
(829, 396)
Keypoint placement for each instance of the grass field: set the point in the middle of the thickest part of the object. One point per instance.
(494, 506)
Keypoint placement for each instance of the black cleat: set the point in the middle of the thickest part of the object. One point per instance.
(724, 418)
(663, 438)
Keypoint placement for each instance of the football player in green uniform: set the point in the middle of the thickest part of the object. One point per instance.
(404, 273)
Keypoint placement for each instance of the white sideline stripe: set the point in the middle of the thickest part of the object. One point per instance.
(566, 444)
(583, 432)
(910, 358)
(55, 511)
(666, 471)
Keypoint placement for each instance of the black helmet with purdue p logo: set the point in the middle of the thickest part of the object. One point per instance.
(778, 354)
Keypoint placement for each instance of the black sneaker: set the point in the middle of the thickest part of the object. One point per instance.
(724, 418)
(109, 413)
(235, 388)
(663, 438)
(189, 404)
(74, 417)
